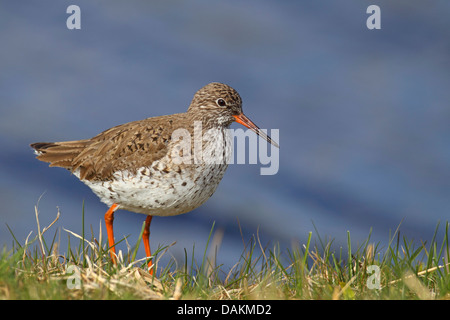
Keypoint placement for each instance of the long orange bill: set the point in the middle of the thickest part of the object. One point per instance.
(246, 122)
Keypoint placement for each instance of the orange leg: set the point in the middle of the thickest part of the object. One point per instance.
(145, 238)
(109, 218)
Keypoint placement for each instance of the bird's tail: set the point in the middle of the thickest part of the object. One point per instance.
(58, 154)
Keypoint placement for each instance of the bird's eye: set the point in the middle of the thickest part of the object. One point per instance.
(221, 103)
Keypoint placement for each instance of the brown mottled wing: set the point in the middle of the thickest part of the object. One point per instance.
(124, 147)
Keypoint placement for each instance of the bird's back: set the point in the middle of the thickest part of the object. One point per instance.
(123, 147)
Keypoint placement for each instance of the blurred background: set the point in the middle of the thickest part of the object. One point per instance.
(363, 114)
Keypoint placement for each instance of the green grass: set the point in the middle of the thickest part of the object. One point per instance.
(37, 270)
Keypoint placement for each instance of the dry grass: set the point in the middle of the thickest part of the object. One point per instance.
(36, 270)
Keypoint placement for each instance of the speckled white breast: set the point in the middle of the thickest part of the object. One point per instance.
(176, 190)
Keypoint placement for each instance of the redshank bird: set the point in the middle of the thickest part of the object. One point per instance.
(159, 166)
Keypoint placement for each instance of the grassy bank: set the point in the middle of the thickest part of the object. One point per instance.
(400, 269)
